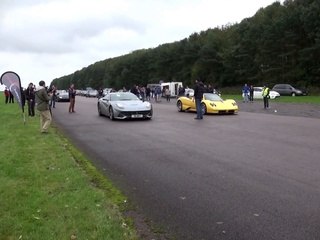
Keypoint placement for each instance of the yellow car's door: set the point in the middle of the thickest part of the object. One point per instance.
(190, 104)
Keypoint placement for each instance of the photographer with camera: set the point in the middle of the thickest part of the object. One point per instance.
(42, 100)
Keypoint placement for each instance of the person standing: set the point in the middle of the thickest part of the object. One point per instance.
(181, 91)
(209, 89)
(30, 97)
(251, 93)
(11, 99)
(42, 99)
(157, 94)
(198, 95)
(53, 96)
(134, 90)
(167, 93)
(245, 93)
(72, 98)
(142, 93)
(148, 93)
(6, 95)
(265, 95)
(100, 93)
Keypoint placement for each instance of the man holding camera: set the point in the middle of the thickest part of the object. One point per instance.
(42, 100)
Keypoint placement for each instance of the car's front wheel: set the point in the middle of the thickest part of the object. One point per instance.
(180, 106)
(203, 108)
(111, 113)
(293, 94)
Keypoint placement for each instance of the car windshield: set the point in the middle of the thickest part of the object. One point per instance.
(123, 97)
(212, 97)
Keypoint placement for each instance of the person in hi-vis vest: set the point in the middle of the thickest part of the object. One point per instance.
(265, 95)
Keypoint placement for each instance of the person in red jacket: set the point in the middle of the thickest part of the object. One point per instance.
(6, 95)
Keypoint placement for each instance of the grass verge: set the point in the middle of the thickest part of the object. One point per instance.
(284, 99)
(49, 190)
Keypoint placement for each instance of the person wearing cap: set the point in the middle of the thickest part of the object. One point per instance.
(42, 99)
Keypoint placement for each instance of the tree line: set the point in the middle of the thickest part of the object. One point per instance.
(279, 44)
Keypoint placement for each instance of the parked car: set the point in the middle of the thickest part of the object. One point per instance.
(106, 91)
(62, 96)
(124, 105)
(257, 93)
(189, 92)
(211, 103)
(288, 90)
(92, 93)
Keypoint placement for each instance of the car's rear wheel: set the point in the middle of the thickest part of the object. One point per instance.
(111, 113)
(203, 108)
(180, 106)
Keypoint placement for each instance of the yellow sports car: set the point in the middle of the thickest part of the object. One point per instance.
(211, 103)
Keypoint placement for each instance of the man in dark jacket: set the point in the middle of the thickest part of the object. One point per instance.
(30, 97)
(42, 99)
(198, 95)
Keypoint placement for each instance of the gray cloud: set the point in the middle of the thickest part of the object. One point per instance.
(45, 39)
(33, 35)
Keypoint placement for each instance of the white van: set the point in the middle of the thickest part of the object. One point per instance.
(173, 87)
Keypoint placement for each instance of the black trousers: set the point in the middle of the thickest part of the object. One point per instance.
(266, 102)
(31, 105)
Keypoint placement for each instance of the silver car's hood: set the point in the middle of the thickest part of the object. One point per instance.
(133, 105)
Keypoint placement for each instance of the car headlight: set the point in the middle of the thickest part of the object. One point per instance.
(148, 105)
(120, 105)
(234, 104)
(212, 104)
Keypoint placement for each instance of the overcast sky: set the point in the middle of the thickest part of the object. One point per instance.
(46, 39)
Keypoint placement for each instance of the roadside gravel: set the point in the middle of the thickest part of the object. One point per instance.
(286, 109)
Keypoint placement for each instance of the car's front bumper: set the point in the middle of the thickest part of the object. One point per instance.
(145, 114)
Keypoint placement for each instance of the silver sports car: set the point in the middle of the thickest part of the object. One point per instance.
(124, 105)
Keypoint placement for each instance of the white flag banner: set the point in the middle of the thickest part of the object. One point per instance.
(12, 81)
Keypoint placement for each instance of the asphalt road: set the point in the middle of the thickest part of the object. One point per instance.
(251, 176)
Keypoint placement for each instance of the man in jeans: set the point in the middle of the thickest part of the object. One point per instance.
(198, 95)
(72, 98)
(42, 100)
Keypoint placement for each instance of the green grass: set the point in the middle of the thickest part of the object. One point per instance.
(284, 99)
(49, 190)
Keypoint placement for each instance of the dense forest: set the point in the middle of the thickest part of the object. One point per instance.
(279, 44)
